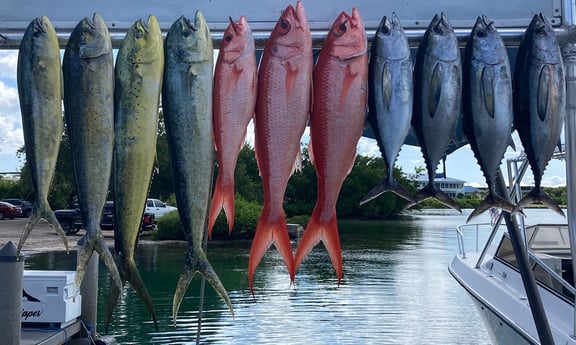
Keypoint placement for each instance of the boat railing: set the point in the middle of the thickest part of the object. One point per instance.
(460, 229)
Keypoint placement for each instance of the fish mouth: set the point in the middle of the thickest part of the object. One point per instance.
(144, 24)
(440, 24)
(186, 25)
(39, 24)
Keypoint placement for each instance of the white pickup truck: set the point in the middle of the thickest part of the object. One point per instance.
(158, 207)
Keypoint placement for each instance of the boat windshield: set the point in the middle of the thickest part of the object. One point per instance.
(550, 244)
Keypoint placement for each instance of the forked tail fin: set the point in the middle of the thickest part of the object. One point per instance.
(42, 211)
(129, 272)
(489, 202)
(431, 191)
(86, 247)
(270, 232)
(389, 186)
(223, 198)
(325, 231)
(197, 262)
(538, 195)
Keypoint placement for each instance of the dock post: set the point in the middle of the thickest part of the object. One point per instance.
(89, 292)
(11, 272)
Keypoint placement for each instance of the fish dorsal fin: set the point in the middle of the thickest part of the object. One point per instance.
(487, 87)
(435, 89)
(543, 94)
(386, 86)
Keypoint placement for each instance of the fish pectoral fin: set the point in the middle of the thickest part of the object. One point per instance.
(291, 74)
(386, 86)
(487, 87)
(544, 80)
(435, 89)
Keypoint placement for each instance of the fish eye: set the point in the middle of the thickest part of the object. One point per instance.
(139, 34)
(386, 30)
(343, 27)
(540, 32)
(480, 33)
(284, 25)
(186, 33)
(228, 38)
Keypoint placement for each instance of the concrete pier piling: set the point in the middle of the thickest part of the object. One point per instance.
(11, 272)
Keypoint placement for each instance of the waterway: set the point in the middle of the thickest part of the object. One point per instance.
(396, 290)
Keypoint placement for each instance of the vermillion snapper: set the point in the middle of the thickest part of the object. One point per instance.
(235, 87)
(282, 110)
(336, 125)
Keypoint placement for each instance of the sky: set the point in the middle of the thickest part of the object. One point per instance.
(461, 164)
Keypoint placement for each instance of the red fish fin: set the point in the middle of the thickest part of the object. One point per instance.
(297, 163)
(270, 232)
(311, 150)
(291, 74)
(317, 231)
(346, 85)
(223, 198)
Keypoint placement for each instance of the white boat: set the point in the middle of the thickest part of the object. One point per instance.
(492, 279)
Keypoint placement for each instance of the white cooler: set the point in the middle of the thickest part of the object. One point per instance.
(50, 297)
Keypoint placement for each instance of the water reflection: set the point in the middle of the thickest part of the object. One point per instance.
(396, 290)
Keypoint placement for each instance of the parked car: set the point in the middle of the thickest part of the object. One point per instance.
(71, 219)
(158, 207)
(23, 204)
(7, 210)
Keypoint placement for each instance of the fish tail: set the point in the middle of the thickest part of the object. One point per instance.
(326, 231)
(197, 262)
(39, 212)
(106, 256)
(489, 202)
(133, 277)
(538, 195)
(113, 296)
(270, 232)
(389, 186)
(431, 191)
(223, 198)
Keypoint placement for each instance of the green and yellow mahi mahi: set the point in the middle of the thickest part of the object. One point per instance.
(139, 67)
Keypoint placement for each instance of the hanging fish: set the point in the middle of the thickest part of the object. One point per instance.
(235, 87)
(336, 125)
(138, 80)
(282, 110)
(187, 104)
(539, 103)
(88, 71)
(437, 100)
(39, 77)
(390, 99)
(488, 106)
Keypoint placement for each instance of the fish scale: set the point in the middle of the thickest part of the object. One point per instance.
(282, 110)
(336, 125)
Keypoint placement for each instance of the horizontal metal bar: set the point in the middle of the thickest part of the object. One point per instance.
(511, 36)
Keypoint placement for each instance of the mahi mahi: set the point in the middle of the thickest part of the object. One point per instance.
(138, 82)
(39, 77)
(437, 99)
(390, 99)
(187, 104)
(539, 103)
(88, 71)
(488, 110)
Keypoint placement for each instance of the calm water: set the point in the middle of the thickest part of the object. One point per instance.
(396, 290)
